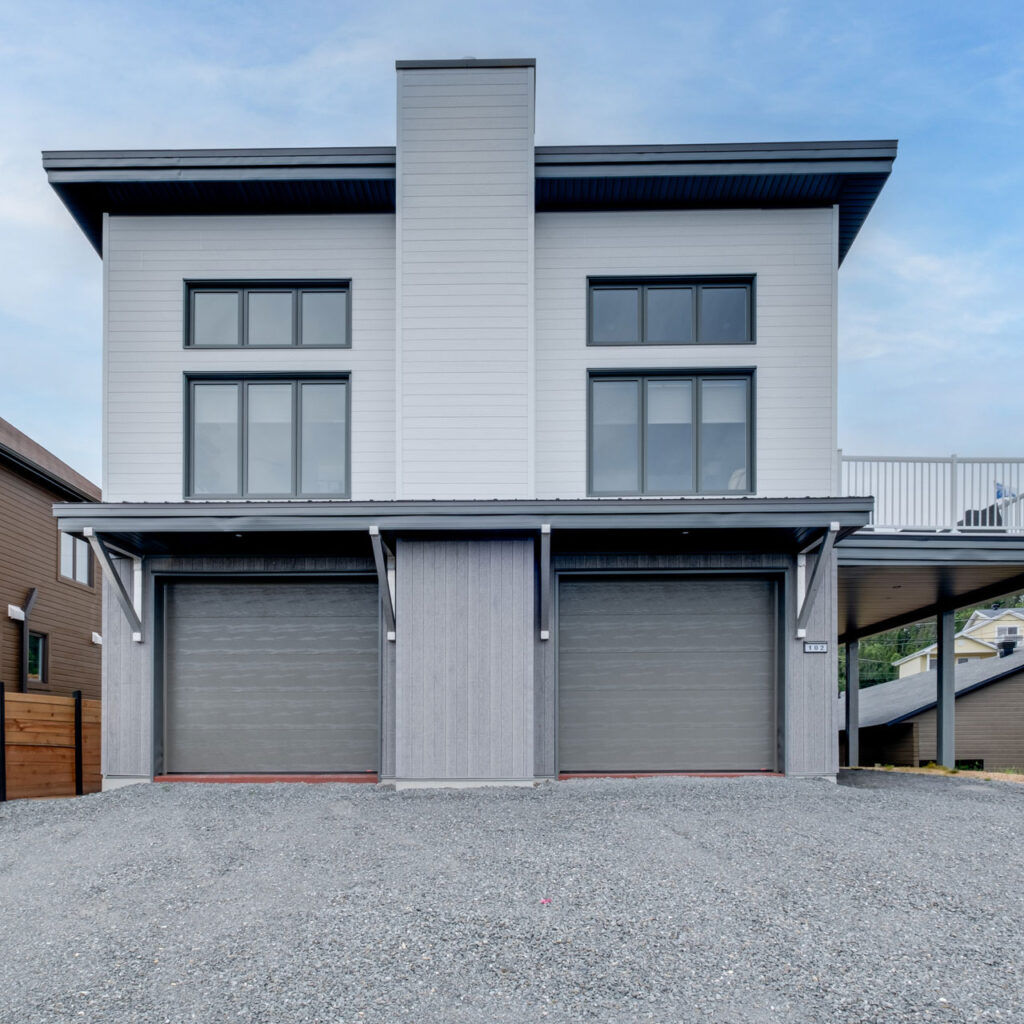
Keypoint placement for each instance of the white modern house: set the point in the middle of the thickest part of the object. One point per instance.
(470, 461)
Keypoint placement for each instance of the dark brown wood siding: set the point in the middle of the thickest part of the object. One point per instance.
(67, 612)
(989, 726)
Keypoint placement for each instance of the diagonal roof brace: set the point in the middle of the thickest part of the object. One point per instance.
(102, 553)
(805, 601)
(383, 581)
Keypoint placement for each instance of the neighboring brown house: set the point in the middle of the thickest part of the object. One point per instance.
(897, 719)
(55, 649)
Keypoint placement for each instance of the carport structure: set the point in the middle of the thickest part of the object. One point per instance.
(886, 580)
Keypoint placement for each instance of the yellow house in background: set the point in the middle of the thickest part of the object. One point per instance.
(981, 637)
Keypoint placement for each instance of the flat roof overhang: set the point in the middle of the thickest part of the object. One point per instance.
(889, 580)
(792, 523)
(571, 178)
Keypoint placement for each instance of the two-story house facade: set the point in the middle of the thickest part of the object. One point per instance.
(469, 461)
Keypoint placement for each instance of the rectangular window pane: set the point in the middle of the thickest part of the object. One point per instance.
(615, 436)
(723, 315)
(270, 318)
(269, 439)
(669, 444)
(615, 316)
(324, 447)
(215, 427)
(324, 318)
(724, 459)
(669, 313)
(215, 318)
(82, 557)
(67, 556)
(35, 657)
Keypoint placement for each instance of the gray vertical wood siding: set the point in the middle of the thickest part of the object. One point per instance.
(464, 665)
(811, 740)
(127, 689)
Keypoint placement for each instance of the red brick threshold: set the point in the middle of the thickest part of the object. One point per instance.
(318, 777)
(569, 776)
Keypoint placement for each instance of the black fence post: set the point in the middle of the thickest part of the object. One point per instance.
(3, 747)
(79, 781)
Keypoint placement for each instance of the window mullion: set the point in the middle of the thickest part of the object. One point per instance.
(642, 406)
(642, 303)
(243, 439)
(296, 437)
(698, 419)
(296, 326)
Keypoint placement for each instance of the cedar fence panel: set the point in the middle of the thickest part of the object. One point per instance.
(39, 745)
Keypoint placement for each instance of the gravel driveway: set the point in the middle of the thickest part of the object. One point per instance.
(887, 898)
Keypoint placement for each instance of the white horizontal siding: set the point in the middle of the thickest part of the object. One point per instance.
(147, 261)
(792, 254)
(465, 248)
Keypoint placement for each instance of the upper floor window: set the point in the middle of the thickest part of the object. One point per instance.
(271, 314)
(267, 437)
(670, 311)
(75, 559)
(666, 433)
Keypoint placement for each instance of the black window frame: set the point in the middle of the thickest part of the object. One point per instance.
(747, 374)
(43, 678)
(267, 377)
(243, 289)
(697, 283)
(79, 549)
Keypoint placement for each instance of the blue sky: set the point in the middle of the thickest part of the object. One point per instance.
(932, 294)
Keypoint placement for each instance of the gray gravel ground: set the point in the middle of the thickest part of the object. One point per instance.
(887, 898)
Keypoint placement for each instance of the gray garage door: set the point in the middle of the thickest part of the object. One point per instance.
(666, 674)
(271, 676)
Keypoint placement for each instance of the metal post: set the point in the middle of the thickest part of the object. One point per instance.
(953, 500)
(853, 704)
(3, 747)
(945, 691)
(79, 780)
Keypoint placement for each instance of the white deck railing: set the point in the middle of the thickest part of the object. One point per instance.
(954, 494)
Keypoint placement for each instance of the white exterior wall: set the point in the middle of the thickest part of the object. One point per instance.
(147, 261)
(793, 255)
(465, 198)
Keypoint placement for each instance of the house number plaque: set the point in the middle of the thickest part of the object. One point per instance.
(815, 647)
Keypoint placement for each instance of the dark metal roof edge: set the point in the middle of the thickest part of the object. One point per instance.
(490, 506)
(51, 480)
(468, 62)
(853, 149)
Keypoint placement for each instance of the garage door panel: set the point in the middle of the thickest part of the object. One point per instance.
(272, 676)
(666, 673)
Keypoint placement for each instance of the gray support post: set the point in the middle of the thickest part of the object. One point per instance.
(853, 704)
(945, 692)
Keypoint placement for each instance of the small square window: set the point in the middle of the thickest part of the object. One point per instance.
(37, 658)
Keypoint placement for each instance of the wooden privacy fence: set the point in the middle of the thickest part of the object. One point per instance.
(50, 745)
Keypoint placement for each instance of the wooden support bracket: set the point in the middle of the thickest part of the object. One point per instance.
(383, 582)
(102, 553)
